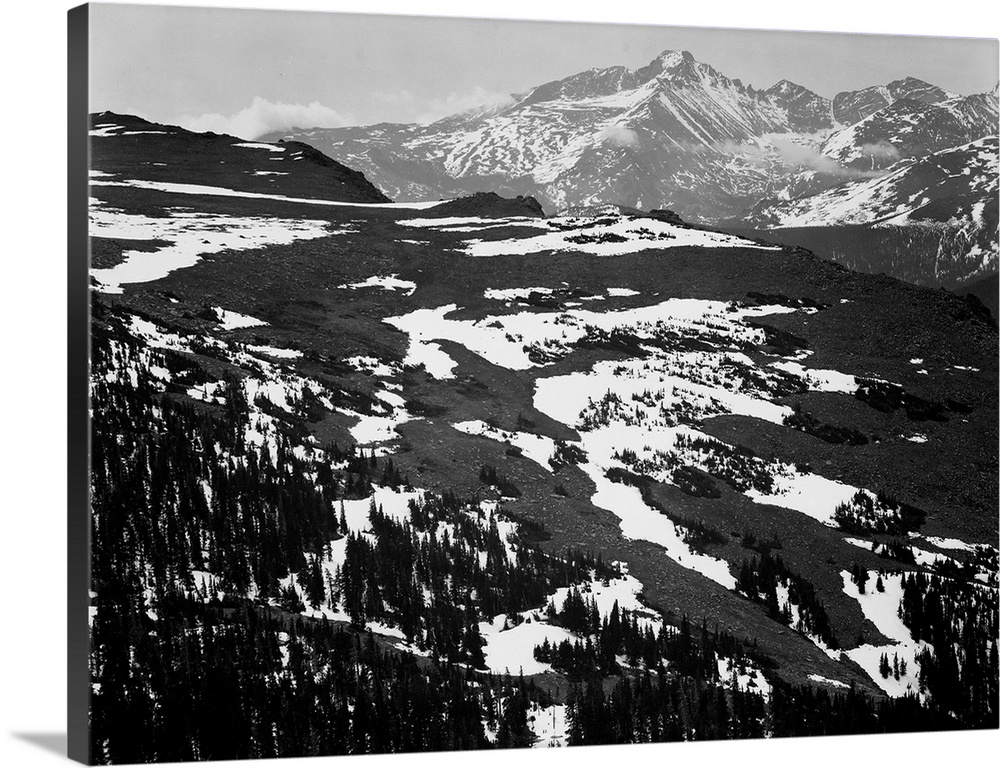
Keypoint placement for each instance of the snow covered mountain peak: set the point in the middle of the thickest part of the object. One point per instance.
(785, 87)
(671, 58)
(680, 68)
(670, 62)
(670, 68)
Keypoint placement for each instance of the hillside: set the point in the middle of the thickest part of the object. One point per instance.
(125, 142)
(518, 470)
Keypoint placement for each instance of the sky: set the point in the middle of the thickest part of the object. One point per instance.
(250, 71)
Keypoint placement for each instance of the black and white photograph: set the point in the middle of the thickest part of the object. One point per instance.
(457, 383)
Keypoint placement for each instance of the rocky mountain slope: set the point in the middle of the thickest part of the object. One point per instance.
(420, 448)
(126, 142)
(930, 220)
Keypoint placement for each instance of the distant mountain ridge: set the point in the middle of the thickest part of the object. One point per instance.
(851, 106)
(676, 133)
(932, 220)
(958, 184)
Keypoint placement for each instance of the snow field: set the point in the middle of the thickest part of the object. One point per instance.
(202, 189)
(521, 294)
(385, 282)
(812, 495)
(820, 380)
(512, 649)
(472, 223)
(881, 608)
(640, 521)
(483, 337)
(743, 677)
(637, 519)
(944, 543)
(930, 559)
(549, 725)
(564, 398)
(105, 130)
(535, 447)
(624, 591)
(513, 294)
(373, 429)
(422, 325)
(190, 236)
(624, 235)
(505, 340)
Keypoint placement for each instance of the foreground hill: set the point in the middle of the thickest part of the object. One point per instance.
(126, 142)
(598, 477)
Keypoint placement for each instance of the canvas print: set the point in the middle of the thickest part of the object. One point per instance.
(465, 384)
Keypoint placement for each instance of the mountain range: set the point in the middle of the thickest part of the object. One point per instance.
(679, 134)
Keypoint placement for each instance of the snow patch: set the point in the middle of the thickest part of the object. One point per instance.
(278, 352)
(608, 236)
(259, 145)
(828, 681)
(535, 447)
(202, 189)
(385, 282)
(231, 321)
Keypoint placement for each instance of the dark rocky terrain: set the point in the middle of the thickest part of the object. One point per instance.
(744, 433)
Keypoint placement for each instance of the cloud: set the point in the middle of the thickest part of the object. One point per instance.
(411, 108)
(618, 136)
(881, 151)
(263, 116)
(808, 156)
